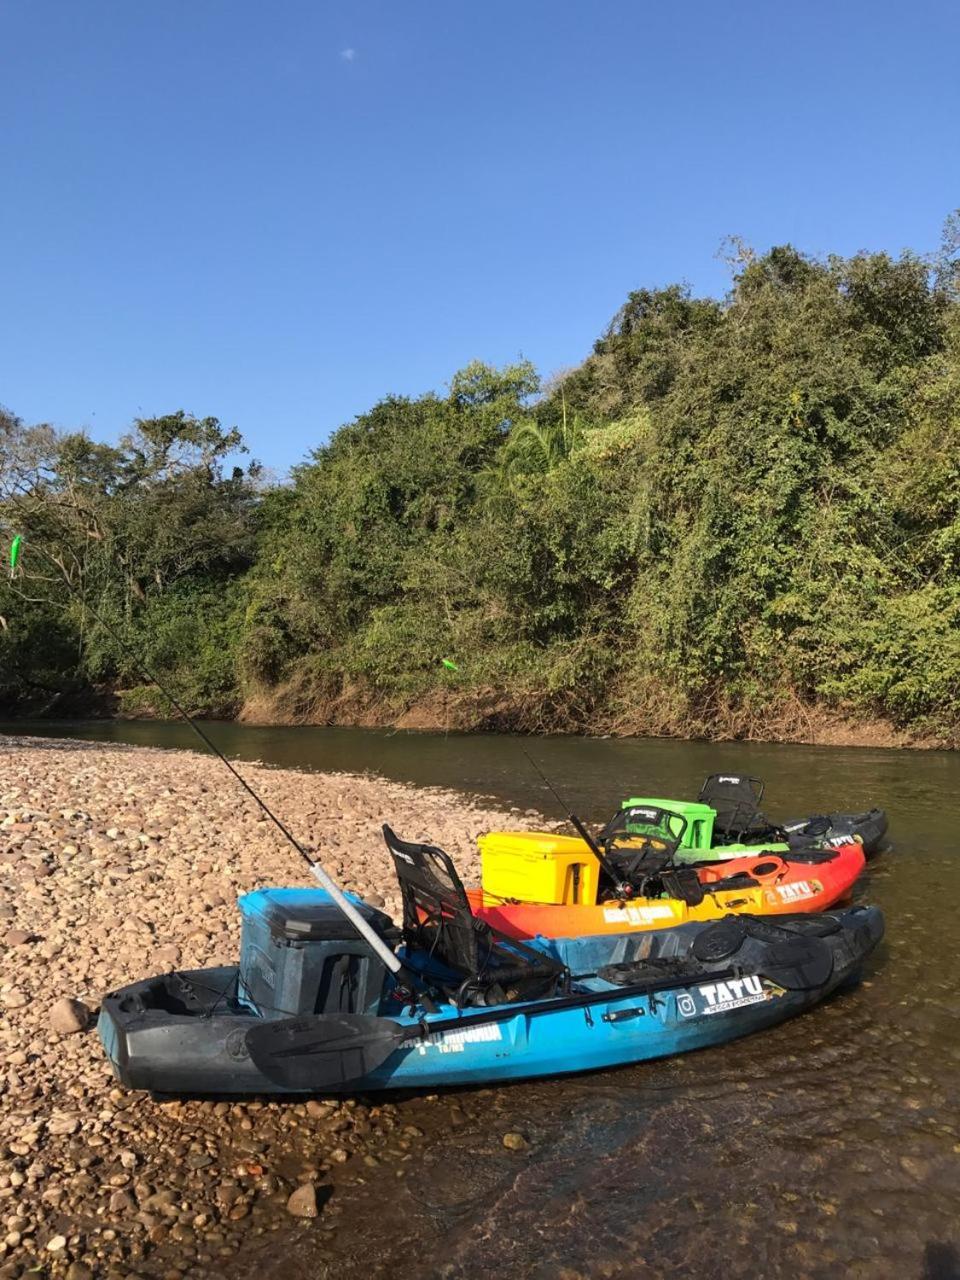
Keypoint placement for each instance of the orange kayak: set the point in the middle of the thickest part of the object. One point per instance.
(545, 885)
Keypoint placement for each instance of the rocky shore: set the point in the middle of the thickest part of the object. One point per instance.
(118, 862)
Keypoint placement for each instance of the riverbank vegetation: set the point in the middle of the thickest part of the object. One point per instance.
(736, 517)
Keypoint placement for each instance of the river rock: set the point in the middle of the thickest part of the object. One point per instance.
(163, 1201)
(515, 1142)
(320, 1110)
(63, 1123)
(69, 1016)
(303, 1202)
(122, 1202)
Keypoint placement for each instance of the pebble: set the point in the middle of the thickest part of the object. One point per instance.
(69, 1016)
(303, 1202)
(320, 1110)
(63, 1124)
(515, 1142)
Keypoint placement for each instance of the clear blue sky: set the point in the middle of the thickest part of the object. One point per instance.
(279, 212)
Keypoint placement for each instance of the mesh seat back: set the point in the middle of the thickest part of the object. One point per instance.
(641, 840)
(438, 920)
(436, 914)
(660, 826)
(736, 799)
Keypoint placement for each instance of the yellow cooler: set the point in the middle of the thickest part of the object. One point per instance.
(534, 866)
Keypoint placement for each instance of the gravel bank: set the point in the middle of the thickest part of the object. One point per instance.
(117, 862)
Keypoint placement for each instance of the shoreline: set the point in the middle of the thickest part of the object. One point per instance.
(816, 729)
(119, 861)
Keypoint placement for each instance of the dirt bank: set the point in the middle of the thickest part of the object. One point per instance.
(117, 862)
(488, 710)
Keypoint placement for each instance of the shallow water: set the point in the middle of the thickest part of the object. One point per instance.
(828, 1146)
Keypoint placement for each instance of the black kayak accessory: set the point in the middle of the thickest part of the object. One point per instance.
(721, 941)
(828, 829)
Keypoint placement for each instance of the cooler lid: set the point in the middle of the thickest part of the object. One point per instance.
(310, 915)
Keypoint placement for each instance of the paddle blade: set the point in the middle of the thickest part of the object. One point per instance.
(313, 1054)
(799, 964)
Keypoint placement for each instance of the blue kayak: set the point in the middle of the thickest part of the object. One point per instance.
(308, 1009)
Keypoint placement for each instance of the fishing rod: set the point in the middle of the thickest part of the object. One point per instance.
(336, 893)
(621, 885)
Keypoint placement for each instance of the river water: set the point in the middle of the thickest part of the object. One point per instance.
(829, 1146)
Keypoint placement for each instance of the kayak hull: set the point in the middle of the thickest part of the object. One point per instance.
(767, 885)
(157, 1040)
(868, 829)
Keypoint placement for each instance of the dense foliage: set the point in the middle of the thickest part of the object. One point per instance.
(733, 516)
(133, 554)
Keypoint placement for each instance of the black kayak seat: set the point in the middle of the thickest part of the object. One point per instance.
(641, 840)
(662, 828)
(489, 967)
(735, 797)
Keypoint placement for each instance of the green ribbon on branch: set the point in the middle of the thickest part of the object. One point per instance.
(15, 546)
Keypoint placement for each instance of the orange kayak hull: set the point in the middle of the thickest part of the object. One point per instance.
(781, 886)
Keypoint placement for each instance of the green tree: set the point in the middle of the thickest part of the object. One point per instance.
(111, 532)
